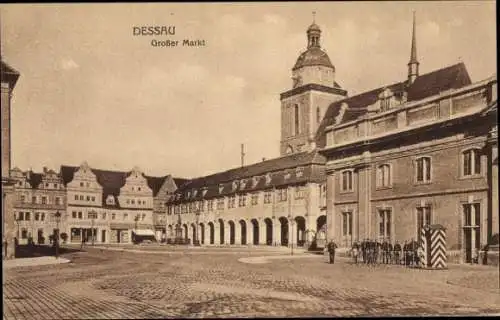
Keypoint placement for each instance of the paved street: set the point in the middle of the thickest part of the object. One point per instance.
(214, 283)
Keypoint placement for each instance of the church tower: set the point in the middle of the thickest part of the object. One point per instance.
(313, 90)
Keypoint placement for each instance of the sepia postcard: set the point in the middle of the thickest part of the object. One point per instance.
(249, 159)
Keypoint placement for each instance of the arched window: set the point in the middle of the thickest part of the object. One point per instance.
(471, 162)
(423, 169)
(296, 119)
(346, 183)
(384, 178)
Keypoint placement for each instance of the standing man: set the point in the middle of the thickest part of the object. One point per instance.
(355, 252)
(331, 251)
(397, 253)
(384, 251)
(363, 250)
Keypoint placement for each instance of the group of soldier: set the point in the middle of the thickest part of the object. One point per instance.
(375, 252)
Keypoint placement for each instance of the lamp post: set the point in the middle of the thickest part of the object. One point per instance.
(56, 236)
(93, 216)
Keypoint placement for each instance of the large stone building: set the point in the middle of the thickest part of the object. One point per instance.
(39, 197)
(8, 79)
(416, 152)
(392, 159)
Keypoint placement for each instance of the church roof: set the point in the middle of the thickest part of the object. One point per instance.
(313, 56)
(426, 85)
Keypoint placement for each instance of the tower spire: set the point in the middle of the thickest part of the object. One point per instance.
(413, 64)
(313, 33)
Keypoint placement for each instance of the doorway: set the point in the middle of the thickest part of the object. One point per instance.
(103, 236)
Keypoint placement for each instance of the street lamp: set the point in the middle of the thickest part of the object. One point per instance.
(56, 236)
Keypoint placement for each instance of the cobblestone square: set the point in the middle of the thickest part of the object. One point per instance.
(213, 282)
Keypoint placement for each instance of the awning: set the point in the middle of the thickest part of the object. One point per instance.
(144, 232)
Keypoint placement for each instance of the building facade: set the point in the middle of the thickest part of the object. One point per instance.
(109, 206)
(38, 199)
(9, 78)
(417, 152)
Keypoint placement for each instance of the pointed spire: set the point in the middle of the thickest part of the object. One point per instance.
(413, 64)
(413, 55)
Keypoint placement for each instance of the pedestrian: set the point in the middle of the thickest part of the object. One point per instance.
(355, 251)
(405, 254)
(420, 252)
(384, 250)
(83, 242)
(331, 251)
(397, 253)
(475, 256)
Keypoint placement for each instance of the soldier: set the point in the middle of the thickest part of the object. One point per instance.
(405, 254)
(389, 252)
(397, 253)
(363, 250)
(355, 252)
(383, 247)
(331, 251)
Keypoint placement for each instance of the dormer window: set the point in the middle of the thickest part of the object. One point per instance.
(268, 179)
(299, 172)
(204, 191)
(221, 188)
(188, 194)
(110, 200)
(243, 183)
(235, 185)
(194, 193)
(385, 100)
(287, 175)
(255, 181)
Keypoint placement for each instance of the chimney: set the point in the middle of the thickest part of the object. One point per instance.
(45, 170)
(263, 159)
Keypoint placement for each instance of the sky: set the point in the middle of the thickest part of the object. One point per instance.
(92, 91)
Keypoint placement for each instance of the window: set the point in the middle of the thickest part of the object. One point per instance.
(346, 184)
(37, 216)
(46, 185)
(424, 217)
(255, 199)
(113, 216)
(125, 216)
(190, 207)
(139, 189)
(267, 197)
(385, 104)
(282, 194)
(132, 201)
(220, 204)
(76, 197)
(384, 175)
(33, 199)
(23, 198)
(24, 233)
(232, 201)
(93, 199)
(296, 119)
(299, 192)
(44, 200)
(80, 215)
(27, 216)
(471, 162)
(346, 223)
(58, 201)
(384, 223)
(88, 184)
(423, 169)
(73, 214)
(472, 214)
(322, 191)
(242, 200)
(103, 216)
(42, 216)
(55, 185)
(81, 184)
(88, 198)
(143, 216)
(81, 198)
